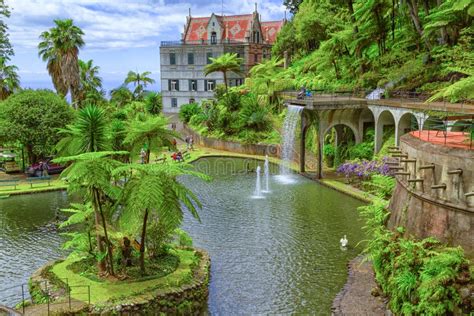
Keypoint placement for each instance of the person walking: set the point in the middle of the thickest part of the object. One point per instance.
(187, 140)
(191, 142)
(143, 155)
(44, 169)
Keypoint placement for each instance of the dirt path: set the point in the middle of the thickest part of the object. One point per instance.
(356, 298)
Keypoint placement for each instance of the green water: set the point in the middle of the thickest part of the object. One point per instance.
(27, 239)
(277, 255)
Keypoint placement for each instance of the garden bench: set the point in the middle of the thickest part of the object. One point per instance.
(9, 183)
(44, 179)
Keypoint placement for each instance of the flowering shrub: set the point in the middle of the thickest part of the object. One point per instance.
(364, 169)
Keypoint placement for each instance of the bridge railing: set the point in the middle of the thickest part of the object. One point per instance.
(402, 97)
(16, 297)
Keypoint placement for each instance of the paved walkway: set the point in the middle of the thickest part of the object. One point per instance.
(356, 298)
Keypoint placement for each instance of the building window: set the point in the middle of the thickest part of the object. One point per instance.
(209, 85)
(192, 100)
(192, 85)
(208, 58)
(174, 102)
(172, 58)
(213, 38)
(190, 58)
(173, 85)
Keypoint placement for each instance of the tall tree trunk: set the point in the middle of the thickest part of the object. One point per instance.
(413, 8)
(100, 245)
(350, 6)
(225, 81)
(148, 150)
(142, 243)
(444, 33)
(106, 236)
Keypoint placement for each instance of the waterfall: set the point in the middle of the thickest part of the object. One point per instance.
(288, 141)
(376, 94)
(266, 172)
(258, 186)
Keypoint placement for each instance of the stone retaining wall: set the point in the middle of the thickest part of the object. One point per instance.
(187, 299)
(236, 147)
(445, 213)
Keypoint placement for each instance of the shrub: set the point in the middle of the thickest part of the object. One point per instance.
(419, 277)
(188, 110)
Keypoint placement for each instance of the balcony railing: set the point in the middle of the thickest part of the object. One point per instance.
(202, 42)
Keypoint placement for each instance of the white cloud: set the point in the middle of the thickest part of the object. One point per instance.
(113, 24)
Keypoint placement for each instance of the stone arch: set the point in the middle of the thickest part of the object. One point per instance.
(366, 122)
(383, 120)
(344, 134)
(408, 122)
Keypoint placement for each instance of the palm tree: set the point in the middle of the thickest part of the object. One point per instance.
(89, 133)
(91, 174)
(139, 80)
(121, 96)
(154, 103)
(91, 83)
(224, 63)
(154, 190)
(266, 80)
(9, 79)
(60, 49)
(152, 132)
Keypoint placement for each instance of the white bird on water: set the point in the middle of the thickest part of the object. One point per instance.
(344, 241)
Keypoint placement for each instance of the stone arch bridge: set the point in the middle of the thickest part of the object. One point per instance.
(357, 114)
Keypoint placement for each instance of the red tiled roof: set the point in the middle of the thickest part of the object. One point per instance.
(271, 29)
(235, 27)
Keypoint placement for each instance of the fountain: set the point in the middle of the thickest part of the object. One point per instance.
(289, 131)
(266, 172)
(257, 194)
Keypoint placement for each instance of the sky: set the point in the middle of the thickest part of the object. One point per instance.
(120, 35)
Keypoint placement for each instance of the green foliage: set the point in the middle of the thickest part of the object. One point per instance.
(151, 132)
(380, 185)
(154, 103)
(6, 50)
(253, 116)
(187, 111)
(225, 63)
(88, 133)
(59, 48)
(419, 277)
(9, 79)
(139, 81)
(31, 117)
(402, 45)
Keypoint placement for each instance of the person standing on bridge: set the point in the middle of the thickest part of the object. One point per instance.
(302, 93)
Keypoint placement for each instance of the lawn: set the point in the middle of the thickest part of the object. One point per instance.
(126, 291)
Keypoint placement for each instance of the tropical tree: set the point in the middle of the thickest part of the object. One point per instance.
(154, 103)
(140, 81)
(59, 47)
(32, 117)
(225, 63)
(6, 49)
(88, 133)
(90, 174)
(153, 191)
(121, 96)
(266, 80)
(9, 79)
(91, 84)
(150, 132)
